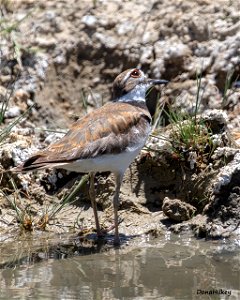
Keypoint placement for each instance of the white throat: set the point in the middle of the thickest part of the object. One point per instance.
(136, 94)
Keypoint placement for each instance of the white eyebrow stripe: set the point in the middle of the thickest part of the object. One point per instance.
(142, 74)
(126, 76)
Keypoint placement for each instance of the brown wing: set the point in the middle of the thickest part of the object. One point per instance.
(105, 130)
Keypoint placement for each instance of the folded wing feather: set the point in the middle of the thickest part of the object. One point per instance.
(105, 130)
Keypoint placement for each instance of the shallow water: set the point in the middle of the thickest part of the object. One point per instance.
(170, 267)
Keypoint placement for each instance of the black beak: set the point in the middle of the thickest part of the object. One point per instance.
(157, 81)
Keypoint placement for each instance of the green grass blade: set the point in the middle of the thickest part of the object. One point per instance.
(198, 98)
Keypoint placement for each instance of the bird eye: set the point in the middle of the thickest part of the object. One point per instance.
(135, 73)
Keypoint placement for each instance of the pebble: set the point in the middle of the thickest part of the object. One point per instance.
(12, 112)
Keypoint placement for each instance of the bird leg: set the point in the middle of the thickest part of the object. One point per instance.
(118, 180)
(92, 195)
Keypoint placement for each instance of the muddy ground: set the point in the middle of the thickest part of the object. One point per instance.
(63, 56)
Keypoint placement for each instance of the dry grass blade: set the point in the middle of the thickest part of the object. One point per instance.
(157, 116)
(69, 199)
(5, 132)
(5, 102)
(198, 97)
(23, 215)
(54, 130)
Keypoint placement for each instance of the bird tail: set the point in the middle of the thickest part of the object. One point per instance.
(37, 162)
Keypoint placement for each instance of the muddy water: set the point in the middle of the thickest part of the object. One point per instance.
(170, 267)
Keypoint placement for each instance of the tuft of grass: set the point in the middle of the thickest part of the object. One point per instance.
(190, 138)
(25, 218)
(191, 135)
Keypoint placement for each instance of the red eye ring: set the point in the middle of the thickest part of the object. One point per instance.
(135, 73)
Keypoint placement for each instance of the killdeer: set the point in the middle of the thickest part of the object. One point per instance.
(107, 139)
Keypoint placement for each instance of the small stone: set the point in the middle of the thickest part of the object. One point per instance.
(216, 231)
(108, 41)
(12, 112)
(177, 210)
(5, 79)
(89, 20)
(48, 42)
(125, 27)
(21, 95)
(51, 138)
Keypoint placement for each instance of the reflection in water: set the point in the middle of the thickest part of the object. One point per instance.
(177, 268)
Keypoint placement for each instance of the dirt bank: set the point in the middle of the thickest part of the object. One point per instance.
(63, 57)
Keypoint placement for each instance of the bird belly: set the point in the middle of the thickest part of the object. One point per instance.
(108, 162)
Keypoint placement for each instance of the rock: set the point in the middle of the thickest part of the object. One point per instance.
(227, 174)
(173, 55)
(177, 210)
(46, 43)
(21, 95)
(216, 119)
(12, 112)
(90, 21)
(176, 51)
(147, 55)
(125, 27)
(222, 213)
(3, 92)
(108, 41)
(226, 60)
(198, 29)
(53, 137)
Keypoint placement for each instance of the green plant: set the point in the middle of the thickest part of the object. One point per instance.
(198, 96)
(23, 215)
(28, 221)
(187, 131)
(190, 136)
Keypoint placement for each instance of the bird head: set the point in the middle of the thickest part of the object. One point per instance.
(132, 85)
